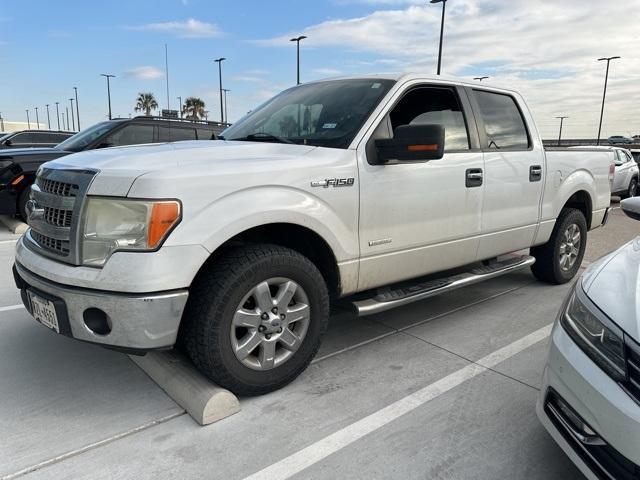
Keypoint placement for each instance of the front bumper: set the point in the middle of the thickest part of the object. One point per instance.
(137, 322)
(600, 402)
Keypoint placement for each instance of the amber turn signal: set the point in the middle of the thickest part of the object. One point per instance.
(164, 216)
(423, 148)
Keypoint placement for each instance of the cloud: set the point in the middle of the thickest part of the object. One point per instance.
(144, 73)
(547, 49)
(190, 28)
(327, 72)
(247, 78)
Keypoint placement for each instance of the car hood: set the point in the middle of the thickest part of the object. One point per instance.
(21, 152)
(119, 167)
(613, 284)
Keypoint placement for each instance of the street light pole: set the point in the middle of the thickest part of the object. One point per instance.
(108, 76)
(226, 90)
(48, 118)
(480, 78)
(28, 121)
(180, 100)
(298, 40)
(604, 94)
(219, 62)
(77, 108)
(560, 134)
(444, 4)
(73, 119)
(37, 120)
(58, 115)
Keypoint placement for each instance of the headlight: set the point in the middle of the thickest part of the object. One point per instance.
(112, 225)
(597, 336)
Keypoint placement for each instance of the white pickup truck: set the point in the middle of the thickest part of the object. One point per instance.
(381, 190)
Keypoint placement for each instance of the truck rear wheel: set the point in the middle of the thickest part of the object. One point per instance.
(255, 318)
(559, 260)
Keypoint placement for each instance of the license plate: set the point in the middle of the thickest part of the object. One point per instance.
(44, 312)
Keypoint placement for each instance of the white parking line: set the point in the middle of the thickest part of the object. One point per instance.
(2, 242)
(11, 307)
(318, 451)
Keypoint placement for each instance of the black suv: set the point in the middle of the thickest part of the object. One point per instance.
(33, 138)
(18, 167)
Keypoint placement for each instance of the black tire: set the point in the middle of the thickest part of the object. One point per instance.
(548, 256)
(206, 326)
(23, 198)
(632, 191)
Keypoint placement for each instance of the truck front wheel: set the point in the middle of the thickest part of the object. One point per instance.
(558, 260)
(255, 318)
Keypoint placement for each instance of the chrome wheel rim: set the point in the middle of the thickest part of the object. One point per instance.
(270, 323)
(570, 247)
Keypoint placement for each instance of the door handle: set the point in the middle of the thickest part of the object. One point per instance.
(474, 177)
(535, 173)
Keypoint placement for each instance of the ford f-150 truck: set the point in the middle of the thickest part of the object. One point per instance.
(380, 190)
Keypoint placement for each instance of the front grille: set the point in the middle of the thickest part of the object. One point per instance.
(54, 218)
(59, 247)
(632, 385)
(54, 187)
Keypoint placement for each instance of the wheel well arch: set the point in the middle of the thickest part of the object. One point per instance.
(296, 237)
(581, 200)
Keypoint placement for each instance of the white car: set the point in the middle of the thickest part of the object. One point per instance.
(590, 396)
(627, 173)
(360, 185)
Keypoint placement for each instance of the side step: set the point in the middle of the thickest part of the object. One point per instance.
(388, 298)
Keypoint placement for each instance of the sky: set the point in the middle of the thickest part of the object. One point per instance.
(548, 49)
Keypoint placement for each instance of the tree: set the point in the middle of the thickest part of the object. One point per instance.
(146, 102)
(194, 108)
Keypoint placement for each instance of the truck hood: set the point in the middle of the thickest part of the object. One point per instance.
(119, 167)
(613, 284)
(17, 153)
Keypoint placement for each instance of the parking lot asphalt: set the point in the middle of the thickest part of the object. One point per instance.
(444, 388)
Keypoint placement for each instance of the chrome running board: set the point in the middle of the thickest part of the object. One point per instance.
(390, 297)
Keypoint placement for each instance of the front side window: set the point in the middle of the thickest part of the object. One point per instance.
(325, 114)
(433, 106)
(132, 134)
(23, 138)
(503, 122)
(82, 140)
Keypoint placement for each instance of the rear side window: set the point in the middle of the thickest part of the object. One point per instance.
(176, 134)
(503, 122)
(204, 134)
(131, 135)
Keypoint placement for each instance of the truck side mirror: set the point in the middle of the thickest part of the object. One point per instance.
(631, 207)
(412, 143)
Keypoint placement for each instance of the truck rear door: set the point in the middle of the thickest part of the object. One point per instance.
(514, 172)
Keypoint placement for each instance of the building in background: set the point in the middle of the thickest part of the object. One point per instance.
(10, 126)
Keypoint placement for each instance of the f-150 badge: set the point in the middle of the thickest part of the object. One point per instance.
(334, 182)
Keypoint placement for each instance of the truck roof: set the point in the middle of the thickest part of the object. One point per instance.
(408, 76)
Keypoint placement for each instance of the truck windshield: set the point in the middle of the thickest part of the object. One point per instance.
(324, 114)
(83, 139)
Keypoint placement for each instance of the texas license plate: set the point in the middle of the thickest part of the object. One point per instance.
(44, 312)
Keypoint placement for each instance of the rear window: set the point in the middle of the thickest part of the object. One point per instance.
(503, 122)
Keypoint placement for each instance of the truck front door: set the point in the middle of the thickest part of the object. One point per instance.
(421, 217)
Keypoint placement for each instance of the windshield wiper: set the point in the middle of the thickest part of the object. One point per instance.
(267, 137)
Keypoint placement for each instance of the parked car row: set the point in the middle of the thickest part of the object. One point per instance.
(18, 166)
(627, 172)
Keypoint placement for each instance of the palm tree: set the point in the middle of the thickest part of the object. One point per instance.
(146, 102)
(194, 108)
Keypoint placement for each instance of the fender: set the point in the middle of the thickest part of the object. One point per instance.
(580, 180)
(255, 206)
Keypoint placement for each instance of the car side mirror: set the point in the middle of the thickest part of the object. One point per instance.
(412, 143)
(631, 207)
(7, 143)
(104, 145)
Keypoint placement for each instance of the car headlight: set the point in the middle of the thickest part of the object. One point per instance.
(112, 225)
(596, 335)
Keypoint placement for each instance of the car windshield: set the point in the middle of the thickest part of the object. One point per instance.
(82, 140)
(325, 114)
